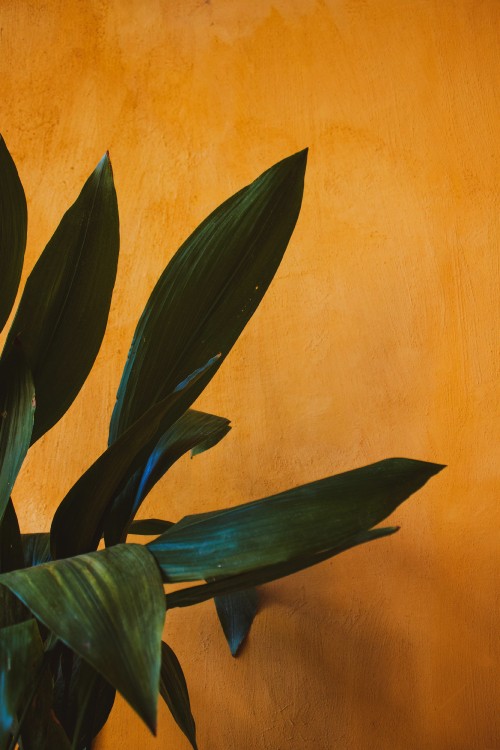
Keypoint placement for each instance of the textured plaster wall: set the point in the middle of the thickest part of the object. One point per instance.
(379, 336)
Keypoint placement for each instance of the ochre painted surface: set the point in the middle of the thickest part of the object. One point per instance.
(379, 336)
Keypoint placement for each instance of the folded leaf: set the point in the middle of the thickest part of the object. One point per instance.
(64, 308)
(266, 574)
(173, 690)
(191, 429)
(21, 654)
(79, 521)
(13, 227)
(236, 613)
(302, 521)
(17, 406)
(109, 608)
(210, 289)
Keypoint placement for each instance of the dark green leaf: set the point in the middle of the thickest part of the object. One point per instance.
(11, 549)
(17, 405)
(149, 526)
(236, 613)
(211, 441)
(210, 289)
(109, 608)
(36, 549)
(21, 654)
(191, 429)
(40, 729)
(173, 690)
(13, 226)
(95, 700)
(79, 521)
(301, 521)
(11, 609)
(64, 308)
(83, 701)
(266, 574)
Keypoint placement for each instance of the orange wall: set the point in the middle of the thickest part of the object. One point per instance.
(379, 336)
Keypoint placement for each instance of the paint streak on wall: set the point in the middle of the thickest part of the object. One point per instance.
(379, 336)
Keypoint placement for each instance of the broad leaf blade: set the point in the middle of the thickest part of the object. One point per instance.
(79, 521)
(64, 308)
(236, 613)
(173, 690)
(13, 227)
(191, 429)
(301, 521)
(17, 406)
(210, 289)
(21, 654)
(109, 608)
(266, 574)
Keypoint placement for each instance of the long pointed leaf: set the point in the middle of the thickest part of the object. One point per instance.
(191, 429)
(109, 608)
(64, 308)
(210, 289)
(13, 227)
(236, 614)
(266, 574)
(173, 690)
(17, 406)
(79, 521)
(301, 521)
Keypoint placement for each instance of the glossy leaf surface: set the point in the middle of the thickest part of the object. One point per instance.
(13, 228)
(236, 613)
(79, 521)
(301, 521)
(21, 654)
(266, 574)
(17, 406)
(64, 307)
(109, 608)
(210, 289)
(173, 690)
(191, 429)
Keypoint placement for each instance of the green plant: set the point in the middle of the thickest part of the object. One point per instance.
(76, 623)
